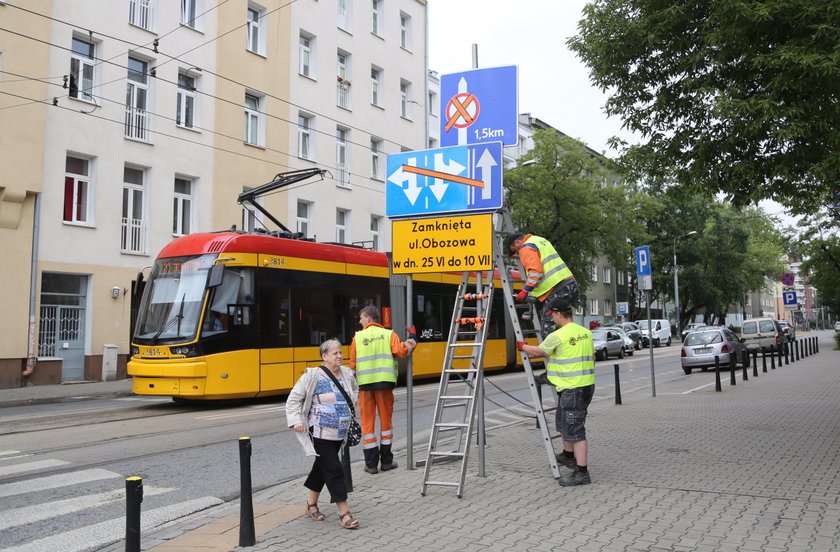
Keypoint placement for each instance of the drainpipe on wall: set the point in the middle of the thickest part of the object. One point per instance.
(31, 354)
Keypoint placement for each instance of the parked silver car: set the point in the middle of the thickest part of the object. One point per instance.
(607, 343)
(789, 329)
(630, 344)
(702, 346)
(690, 328)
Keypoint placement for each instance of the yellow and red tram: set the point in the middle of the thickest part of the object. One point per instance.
(235, 315)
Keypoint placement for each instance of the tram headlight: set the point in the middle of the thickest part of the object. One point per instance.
(135, 351)
(187, 351)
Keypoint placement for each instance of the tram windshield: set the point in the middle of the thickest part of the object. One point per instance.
(173, 298)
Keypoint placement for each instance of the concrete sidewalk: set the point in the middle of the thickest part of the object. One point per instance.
(753, 468)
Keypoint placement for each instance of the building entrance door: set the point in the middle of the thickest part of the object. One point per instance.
(62, 327)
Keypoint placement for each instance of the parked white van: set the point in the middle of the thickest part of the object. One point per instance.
(661, 332)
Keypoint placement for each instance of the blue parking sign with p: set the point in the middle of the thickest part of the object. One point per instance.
(643, 261)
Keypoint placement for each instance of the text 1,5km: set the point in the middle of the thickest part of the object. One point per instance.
(484, 133)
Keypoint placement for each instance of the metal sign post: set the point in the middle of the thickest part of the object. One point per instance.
(409, 378)
(645, 279)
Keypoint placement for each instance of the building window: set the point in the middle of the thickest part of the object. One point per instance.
(81, 70)
(607, 274)
(433, 101)
(182, 208)
(405, 99)
(305, 54)
(141, 13)
(343, 86)
(375, 88)
(607, 307)
(342, 162)
(405, 31)
(253, 120)
(303, 208)
(342, 226)
(375, 223)
(256, 29)
(579, 310)
(344, 14)
(185, 104)
(593, 306)
(619, 277)
(376, 14)
(133, 235)
(77, 192)
(136, 98)
(304, 136)
(376, 159)
(190, 10)
(593, 273)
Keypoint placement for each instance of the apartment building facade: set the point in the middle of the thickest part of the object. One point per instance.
(158, 115)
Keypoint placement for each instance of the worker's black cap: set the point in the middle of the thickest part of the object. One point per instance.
(558, 304)
(509, 242)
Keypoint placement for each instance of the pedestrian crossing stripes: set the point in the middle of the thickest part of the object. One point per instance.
(26, 513)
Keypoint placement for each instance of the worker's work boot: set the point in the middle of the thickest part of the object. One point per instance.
(371, 460)
(575, 478)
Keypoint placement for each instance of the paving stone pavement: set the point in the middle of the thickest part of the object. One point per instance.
(752, 468)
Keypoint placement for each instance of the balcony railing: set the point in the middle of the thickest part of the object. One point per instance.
(342, 177)
(137, 123)
(140, 13)
(343, 92)
(133, 236)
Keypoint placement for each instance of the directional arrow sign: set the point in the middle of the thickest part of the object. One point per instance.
(445, 180)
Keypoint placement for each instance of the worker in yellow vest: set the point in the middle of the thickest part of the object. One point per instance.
(570, 367)
(547, 276)
(373, 354)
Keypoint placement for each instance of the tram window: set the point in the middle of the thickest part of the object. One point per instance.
(275, 319)
(231, 301)
(427, 317)
(325, 316)
(355, 302)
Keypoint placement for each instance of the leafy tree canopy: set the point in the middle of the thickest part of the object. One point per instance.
(733, 96)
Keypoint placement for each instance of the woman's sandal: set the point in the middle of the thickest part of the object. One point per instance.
(316, 514)
(347, 521)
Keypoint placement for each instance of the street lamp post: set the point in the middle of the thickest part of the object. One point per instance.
(677, 283)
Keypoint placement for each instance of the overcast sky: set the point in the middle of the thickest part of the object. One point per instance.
(553, 84)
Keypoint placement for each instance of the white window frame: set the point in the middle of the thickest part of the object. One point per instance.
(82, 185)
(141, 13)
(342, 69)
(375, 225)
(377, 11)
(342, 157)
(579, 310)
(376, 159)
(254, 120)
(304, 214)
(345, 15)
(593, 306)
(133, 235)
(375, 86)
(342, 225)
(405, 31)
(182, 207)
(305, 55)
(186, 104)
(251, 218)
(79, 65)
(405, 99)
(191, 13)
(305, 143)
(608, 307)
(138, 99)
(255, 29)
(593, 273)
(619, 277)
(607, 275)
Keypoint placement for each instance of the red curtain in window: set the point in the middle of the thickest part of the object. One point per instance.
(68, 198)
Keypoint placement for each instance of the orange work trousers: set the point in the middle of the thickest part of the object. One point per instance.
(371, 402)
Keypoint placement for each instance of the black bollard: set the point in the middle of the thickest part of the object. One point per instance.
(764, 360)
(717, 373)
(133, 499)
(797, 349)
(817, 344)
(772, 358)
(755, 363)
(792, 349)
(732, 368)
(744, 361)
(345, 465)
(781, 356)
(810, 346)
(617, 385)
(247, 534)
(787, 351)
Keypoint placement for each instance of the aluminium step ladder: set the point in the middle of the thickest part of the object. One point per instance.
(460, 382)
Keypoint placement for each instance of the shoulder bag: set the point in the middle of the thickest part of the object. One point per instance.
(354, 430)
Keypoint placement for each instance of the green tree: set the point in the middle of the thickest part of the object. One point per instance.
(560, 193)
(733, 96)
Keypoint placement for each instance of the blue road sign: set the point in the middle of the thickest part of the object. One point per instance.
(444, 180)
(643, 272)
(479, 106)
(789, 298)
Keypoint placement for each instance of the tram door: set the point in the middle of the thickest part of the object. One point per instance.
(61, 331)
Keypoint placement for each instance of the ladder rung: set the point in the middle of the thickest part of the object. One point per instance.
(465, 344)
(460, 397)
(451, 425)
(442, 483)
(461, 370)
(462, 357)
(447, 454)
(453, 405)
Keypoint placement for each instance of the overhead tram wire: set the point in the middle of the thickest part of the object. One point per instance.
(207, 71)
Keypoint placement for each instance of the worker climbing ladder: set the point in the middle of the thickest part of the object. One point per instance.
(462, 374)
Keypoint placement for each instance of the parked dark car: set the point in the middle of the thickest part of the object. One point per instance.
(632, 331)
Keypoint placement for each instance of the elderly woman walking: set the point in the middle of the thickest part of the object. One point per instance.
(320, 414)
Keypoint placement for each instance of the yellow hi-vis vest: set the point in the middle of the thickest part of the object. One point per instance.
(374, 360)
(574, 366)
(554, 269)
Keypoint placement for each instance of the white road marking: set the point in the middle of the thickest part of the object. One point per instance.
(32, 466)
(55, 481)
